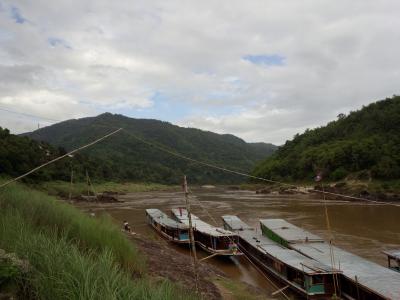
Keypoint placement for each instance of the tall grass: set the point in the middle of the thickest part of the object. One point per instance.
(47, 213)
(73, 256)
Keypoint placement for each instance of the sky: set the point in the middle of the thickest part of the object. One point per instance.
(262, 70)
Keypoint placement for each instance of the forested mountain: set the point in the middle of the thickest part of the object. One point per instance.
(123, 157)
(366, 142)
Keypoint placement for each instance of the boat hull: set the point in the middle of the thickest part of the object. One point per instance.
(279, 278)
(168, 237)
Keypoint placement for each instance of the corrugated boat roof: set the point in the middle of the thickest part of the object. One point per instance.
(289, 232)
(371, 275)
(393, 253)
(164, 220)
(235, 223)
(199, 225)
(268, 246)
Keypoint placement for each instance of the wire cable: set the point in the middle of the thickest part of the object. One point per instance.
(60, 157)
(29, 115)
(161, 148)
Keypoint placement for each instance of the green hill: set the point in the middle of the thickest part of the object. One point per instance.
(365, 142)
(122, 157)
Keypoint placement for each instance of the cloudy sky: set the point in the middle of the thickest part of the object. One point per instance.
(262, 70)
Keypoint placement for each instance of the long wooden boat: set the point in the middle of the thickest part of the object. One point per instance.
(360, 278)
(307, 277)
(211, 239)
(168, 228)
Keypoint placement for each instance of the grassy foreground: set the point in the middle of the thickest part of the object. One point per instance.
(71, 255)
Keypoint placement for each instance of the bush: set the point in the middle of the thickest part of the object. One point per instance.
(338, 174)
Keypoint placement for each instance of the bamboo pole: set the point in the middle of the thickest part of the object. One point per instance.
(191, 235)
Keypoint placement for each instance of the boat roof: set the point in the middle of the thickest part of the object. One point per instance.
(392, 253)
(164, 220)
(289, 232)
(369, 274)
(199, 225)
(235, 223)
(283, 254)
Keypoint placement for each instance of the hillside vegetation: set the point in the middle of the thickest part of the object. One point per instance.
(123, 157)
(365, 143)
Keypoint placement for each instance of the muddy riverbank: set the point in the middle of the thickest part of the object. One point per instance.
(362, 228)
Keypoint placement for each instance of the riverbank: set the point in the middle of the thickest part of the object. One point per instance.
(388, 191)
(63, 189)
(165, 262)
(71, 255)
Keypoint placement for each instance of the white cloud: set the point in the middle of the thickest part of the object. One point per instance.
(74, 58)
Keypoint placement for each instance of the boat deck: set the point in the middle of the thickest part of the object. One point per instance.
(375, 277)
(164, 220)
(182, 216)
(268, 246)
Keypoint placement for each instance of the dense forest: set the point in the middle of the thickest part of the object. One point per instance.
(20, 154)
(365, 143)
(124, 157)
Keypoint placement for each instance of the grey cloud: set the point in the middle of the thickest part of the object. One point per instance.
(339, 55)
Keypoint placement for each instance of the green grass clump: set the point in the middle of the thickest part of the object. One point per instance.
(61, 271)
(73, 256)
(47, 213)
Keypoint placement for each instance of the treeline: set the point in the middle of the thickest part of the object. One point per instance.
(365, 143)
(19, 155)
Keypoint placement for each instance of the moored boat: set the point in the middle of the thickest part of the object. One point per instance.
(167, 227)
(211, 239)
(307, 277)
(360, 278)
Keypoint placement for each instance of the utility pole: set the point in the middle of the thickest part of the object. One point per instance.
(191, 236)
(87, 182)
(70, 186)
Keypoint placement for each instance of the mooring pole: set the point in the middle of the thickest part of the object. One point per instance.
(191, 236)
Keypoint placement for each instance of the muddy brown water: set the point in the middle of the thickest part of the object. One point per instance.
(364, 229)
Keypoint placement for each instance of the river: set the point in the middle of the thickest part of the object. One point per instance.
(364, 229)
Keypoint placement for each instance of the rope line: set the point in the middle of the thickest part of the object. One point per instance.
(161, 148)
(245, 255)
(29, 115)
(60, 157)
